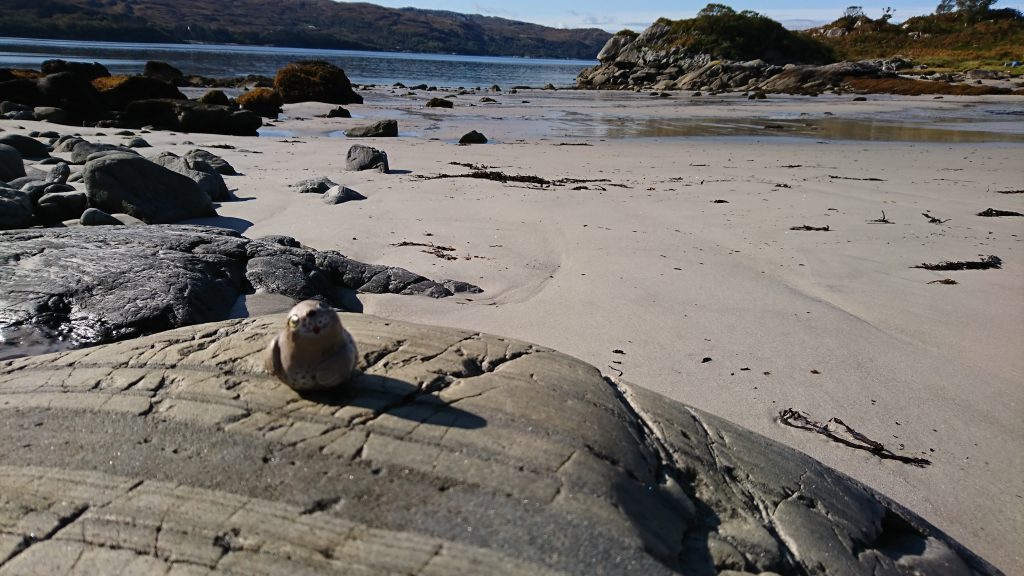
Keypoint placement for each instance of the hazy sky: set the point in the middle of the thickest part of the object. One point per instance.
(615, 15)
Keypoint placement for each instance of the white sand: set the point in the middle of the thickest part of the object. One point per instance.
(658, 271)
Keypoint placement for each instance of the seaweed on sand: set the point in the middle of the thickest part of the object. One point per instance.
(839, 431)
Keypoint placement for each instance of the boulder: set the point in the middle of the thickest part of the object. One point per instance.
(165, 72)
(26, 146)
(119, 91)
(440, 103)
(339, 112)
(317, 185)
(84, 70)
(11, 164)
(380, 129)
(15, 209)
(473, 137)
(56, 207)
(209, 181)
(217, 97)
(73, 94)
(51, 114)
(143, 189)
(449, 452)
(22, 91)
(137, 142)
(60, 173)
(262, 101)
(315, 81)
(89, 285)
(97, 217)
(192, 116)
(81, 150)
(219, 164)
(361, 157)
(340, 194)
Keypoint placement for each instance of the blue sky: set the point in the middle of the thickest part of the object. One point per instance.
(615, 15)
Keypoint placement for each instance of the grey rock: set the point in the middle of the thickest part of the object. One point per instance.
(82, 150)
(89, 285)
(219, 164)
(66, 143)
(450, 452)
(473, 137)
(27, 147)
(60, 173)
(192, 116)
(132, 184)
(339, 112)
(459, 287)
(383, 128)
(97, 217)
(209, 181)
(11, 164)
(318, 185)
(440, 103)
(137, 142)
(55, 207)
(361, 157)
(15, 209)
(340, 194)
(51, 114)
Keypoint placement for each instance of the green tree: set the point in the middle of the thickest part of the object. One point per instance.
(853, 12)
(716, 10)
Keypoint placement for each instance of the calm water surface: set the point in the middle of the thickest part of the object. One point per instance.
(216, 60)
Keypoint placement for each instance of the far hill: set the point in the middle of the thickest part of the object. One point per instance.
(294, 23)
(954, 40)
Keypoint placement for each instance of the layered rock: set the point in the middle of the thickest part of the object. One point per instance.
(651, 62)
(451, 452)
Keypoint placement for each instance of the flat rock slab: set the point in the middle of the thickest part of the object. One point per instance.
(97, 284)
(452, 452)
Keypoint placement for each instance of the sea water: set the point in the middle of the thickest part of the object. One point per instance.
(362, 67)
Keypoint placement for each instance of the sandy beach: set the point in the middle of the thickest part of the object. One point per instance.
(666, 258)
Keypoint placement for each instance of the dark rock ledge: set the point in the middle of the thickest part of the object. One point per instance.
(452, 453)
(91, 285)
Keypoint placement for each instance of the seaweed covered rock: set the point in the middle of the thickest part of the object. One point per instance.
(315, 81)
(217, 97)
(262, 101)
(85, 70)
(119, 91)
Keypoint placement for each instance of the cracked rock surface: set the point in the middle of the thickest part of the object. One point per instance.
(451, 453)
(99, 284)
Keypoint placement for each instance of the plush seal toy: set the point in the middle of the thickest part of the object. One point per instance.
(314, 351)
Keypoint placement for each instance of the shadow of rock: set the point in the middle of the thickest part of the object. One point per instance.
(239, 225)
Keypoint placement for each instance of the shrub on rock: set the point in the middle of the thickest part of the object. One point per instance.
(262, 101)
(215, 97)
(315, 81)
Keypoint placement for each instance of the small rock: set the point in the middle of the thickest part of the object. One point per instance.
(339, 112)
(27, 147)
(361, 157)
(439, 103)
(11, 165)
(473, 137)
(220, 165)
(97, 217)
(339, 194)
(137, 142)
(383, 128)
(314, 185)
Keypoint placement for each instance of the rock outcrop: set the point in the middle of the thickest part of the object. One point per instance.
(129, 183)
(99, 284)
(452, 452)
(315, 81)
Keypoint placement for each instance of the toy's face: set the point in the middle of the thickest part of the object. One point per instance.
(310, 318)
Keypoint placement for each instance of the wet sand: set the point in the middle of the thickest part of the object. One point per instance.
(642, 272)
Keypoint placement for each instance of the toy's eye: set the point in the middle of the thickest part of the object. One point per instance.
(293, 321)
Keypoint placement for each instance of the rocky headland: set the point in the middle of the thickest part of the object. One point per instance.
(664, 58)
